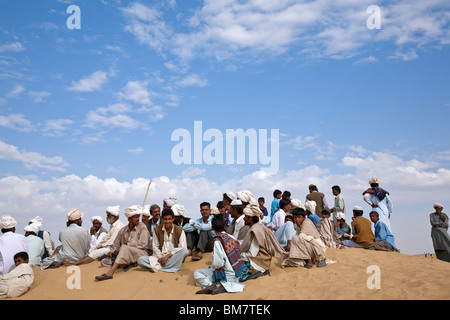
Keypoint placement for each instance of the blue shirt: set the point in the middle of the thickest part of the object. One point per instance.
(382, 233)
(274, 207)
(314, 218)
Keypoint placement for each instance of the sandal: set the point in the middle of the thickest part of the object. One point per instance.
(103, 277)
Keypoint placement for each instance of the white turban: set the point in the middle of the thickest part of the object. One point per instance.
(357, 208)
(7, 222)
(374, 180)
(74, 214)
(253, 210)
(340, 215)
(178, 210)
(38, 221)
(438, 205)
(236, 202)
(170, 201)
(231, 195)
(146, 211)
(114, 210)
(215, 210)
(132, 211)
(97, 218)
(310, 206)
(297, 203)
(33, 227)
(246, 196)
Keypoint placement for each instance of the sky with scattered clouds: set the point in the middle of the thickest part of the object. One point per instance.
(87, 115)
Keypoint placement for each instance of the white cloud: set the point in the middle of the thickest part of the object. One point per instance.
(39, 96)
(12, 47)
(31, 160)
(17, 90)
(137, 150)
(16, 122)
(92, 82)
(336, 29)
(137, 92)
(55, 127)
(192, 80)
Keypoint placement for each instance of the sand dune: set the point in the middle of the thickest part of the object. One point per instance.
(402, 277)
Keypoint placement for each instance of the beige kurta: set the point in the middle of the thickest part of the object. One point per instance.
(131, 244)
(305, 245)
(17, 282)
(268, 246)
(327, 230)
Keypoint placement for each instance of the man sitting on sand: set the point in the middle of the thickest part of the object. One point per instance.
(227, 266)
(363, 236)
(327, 229)
(10, 243)
(306, 247)
(97, 231)
(383, 236)
(104, 247)
(131, 243)
(75, 242)
(237, 228)
(183, 221)
(19, 280)
(205, 232)
(169, 246)
(260, 244)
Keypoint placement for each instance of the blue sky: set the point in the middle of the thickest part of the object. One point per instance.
(86, 115)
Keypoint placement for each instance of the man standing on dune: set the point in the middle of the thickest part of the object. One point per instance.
(379, 200)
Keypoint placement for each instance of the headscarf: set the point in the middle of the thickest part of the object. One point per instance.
(246, 196)
(97, 218)
(438, 205)
(7, 222)
(33, 227)
(310, 206)
(74, 214)
(215, 210)
(179, 210)
(170, 201)
(253, 210)
(340, 215)
(297, 203)
(374, 180)
(146, 211)
(132, 211)
(231, 195)
(38, 221)
(114, 210)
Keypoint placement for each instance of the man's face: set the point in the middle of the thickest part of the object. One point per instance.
(205, 211)
(374, 218)
(134, 220)
(299, 219)
(168, 221)
(335, 192)
(261, 203)
(97, 225)
(156, 213)
(19, 260)
(247, 220)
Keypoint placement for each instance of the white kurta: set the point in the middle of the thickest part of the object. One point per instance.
(278, 219)
(203, 277)
(10, 244)
(36, 250)
(384, 208)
